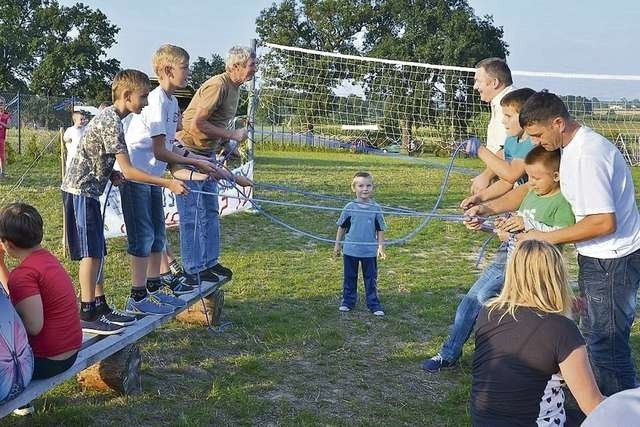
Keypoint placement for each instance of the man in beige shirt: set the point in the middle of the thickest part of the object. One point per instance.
(205, 128)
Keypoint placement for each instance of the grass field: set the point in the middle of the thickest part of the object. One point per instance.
(291, 357)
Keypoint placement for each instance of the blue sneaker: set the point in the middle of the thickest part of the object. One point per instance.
(166, 296)
(149, 305)
(436, 363)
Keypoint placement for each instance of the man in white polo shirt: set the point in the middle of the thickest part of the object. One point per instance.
(492, 80)
(597, 182)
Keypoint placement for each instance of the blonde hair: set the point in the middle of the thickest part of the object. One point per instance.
(168, 54)
(128, 80)
(361, 174)
(237, 55)
(536, 277)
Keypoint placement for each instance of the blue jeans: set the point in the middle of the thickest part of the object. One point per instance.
(350, 282)
(143, 213)
(199, 226)
(610, 287)
(488, 285)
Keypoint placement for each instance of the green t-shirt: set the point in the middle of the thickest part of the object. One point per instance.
(546, 213)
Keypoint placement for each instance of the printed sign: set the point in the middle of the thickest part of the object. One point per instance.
(229, 200)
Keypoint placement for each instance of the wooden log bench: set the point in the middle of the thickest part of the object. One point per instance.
(113, 362)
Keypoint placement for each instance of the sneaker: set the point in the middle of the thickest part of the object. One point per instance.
(115, 316)
(101, 326)
(166, 296)
(344, 308)
(208, 277)
(378, 313)
(220, 270)
(148, 305)
(178, 284)
(25, 410)
(436, 363)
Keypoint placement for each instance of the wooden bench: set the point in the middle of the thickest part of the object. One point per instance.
(114, 360)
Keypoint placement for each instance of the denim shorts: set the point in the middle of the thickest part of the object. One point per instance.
(143, 212)
(84, 227)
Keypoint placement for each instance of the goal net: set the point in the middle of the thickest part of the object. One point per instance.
(322, 98)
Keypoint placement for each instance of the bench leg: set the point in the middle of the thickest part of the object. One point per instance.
(213, 305)
(119, 372)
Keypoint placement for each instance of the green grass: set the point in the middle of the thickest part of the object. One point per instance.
(292, 358)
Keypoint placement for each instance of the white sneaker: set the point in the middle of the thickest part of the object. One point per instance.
(344, 308)
(378, 313)
(25, 410)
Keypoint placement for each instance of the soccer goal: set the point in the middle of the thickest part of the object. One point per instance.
(338, 99)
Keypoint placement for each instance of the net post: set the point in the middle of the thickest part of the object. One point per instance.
(251, 107)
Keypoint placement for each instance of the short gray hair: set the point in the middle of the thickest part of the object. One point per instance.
(238, 55)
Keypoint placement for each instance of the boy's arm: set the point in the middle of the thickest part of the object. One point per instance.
(31, 313)
(339, 236)
(509, 171)
(382, 254)
(4, 271)
(507, 203)
(481, 181)
(178, 155)
(495, 190)
(134, 174)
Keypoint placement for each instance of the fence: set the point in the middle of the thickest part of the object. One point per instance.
(38, 112)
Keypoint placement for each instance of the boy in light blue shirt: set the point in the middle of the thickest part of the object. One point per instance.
(362, 226)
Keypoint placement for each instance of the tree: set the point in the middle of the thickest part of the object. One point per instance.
(431, 31)
(201, 69)
(53, 49)
(329, 25)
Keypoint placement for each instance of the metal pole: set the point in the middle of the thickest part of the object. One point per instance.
(19, 127)
(251, 106)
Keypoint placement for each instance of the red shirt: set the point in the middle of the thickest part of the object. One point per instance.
(4, 118)
(41, 273)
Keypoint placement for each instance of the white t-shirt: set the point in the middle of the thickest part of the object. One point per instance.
(595, 179)
(71, 138)
(496, 133)
(160, 117)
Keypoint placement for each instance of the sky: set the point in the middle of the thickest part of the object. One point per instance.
(567, 36)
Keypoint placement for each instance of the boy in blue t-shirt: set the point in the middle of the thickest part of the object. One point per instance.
(362, 226)
(510, 170)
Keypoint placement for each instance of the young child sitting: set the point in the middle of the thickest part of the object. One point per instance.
(362, 226)
(544, 208)
(41, 291)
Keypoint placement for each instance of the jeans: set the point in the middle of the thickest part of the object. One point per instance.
(199, 226)
(349, 284)
(610, 287)
(488, 285)
(143, 213)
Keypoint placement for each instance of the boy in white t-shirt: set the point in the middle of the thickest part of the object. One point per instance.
(149, 138)
(73, 134)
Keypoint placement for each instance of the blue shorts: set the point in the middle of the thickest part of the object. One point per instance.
(85, 227)
(143, 212)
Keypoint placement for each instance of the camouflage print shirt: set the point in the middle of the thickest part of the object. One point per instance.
(92, 165)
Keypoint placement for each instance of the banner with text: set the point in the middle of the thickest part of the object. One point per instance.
(228, 201)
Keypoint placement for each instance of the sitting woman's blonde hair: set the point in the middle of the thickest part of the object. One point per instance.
(536, 277)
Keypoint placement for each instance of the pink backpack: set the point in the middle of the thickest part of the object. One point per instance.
(16, 357)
